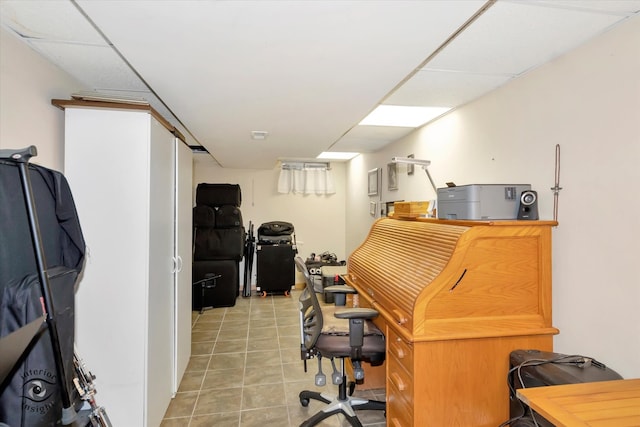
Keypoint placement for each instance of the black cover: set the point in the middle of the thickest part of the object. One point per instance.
(228, 216)
(542, 368)
(275, 228)
(276, 268)
(218, 243)
(32, 395)
(61, 233)
(34, 386)
(227, 287)
(204, 216)
(218, 194)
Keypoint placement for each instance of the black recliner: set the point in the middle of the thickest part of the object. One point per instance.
(336, 332)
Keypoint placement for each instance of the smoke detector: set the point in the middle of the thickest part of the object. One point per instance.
(259, 134)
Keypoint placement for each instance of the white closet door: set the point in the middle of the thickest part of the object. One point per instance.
(161, 274)
(106, 164)
(183, 229)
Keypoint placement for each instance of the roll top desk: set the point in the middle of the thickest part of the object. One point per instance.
(455, 298)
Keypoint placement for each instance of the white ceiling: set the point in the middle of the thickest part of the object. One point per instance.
(307, 72)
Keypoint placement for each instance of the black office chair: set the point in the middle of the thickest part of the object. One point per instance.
(337, 332)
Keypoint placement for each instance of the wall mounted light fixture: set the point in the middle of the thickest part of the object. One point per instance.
(419, 162)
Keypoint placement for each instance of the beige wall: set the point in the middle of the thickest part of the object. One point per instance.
(28, 82)
(588, 101)
(318, 220)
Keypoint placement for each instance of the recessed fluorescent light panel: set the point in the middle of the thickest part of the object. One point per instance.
(402, 116)
(336, 155)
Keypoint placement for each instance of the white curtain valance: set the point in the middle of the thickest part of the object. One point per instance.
(306, 180)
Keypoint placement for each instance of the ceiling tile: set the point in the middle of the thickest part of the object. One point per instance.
(95, 66)
(368, 139)
(56, 20)
(444, 88)
(511, 38)
(621, 7)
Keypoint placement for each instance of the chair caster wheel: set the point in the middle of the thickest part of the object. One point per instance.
(352, 387)
(304, 402)
(264, 294)
(287, 293)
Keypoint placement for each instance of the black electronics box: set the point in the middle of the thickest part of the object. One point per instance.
(535, 368)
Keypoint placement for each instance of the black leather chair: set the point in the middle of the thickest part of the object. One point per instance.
(335, 332)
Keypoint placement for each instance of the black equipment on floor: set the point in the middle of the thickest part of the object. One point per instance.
(219, 243)
(216, 195)
(38, 275)
(221, 292)
(315, 264)
(535, 368)
(276, 232)
(276, 250)
(249, 250)
(348, 333)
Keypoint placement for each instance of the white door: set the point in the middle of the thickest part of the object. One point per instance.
(106, 164)
(161, 274)
(183, 255)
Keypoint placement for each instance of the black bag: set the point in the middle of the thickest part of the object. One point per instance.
(218, 195)
(275, 228)
(227, 286)
(204, 216)
(32, 395)
(61, 233)
(219, 243)
(228, 216)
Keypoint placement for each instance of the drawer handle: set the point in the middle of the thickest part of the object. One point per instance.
(400, 354)
(397, 381)
(400, 317)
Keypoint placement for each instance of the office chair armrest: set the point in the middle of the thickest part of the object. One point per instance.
(357, 319)
(356, 313)
(340, 289)
(340, 292)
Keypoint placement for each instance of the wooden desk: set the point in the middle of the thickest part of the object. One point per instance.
(601, 404)
(455, 298)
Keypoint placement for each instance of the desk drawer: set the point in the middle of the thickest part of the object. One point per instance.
(400, 380)
(400, 349)
(399, 411)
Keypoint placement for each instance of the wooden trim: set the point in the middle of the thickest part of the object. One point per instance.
(78, 103)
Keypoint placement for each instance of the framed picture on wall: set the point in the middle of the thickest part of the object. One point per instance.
(392, 176)
(374, 181)
(372, 208)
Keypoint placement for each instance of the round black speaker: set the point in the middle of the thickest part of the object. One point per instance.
(528, 198)
(528, 208)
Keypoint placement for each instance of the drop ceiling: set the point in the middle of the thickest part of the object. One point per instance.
(306, 72)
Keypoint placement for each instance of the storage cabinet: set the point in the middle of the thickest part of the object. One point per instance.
(131, 180)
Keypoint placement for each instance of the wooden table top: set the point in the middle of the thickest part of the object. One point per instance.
(596, 404)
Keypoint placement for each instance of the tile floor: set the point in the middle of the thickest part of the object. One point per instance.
(245, 370)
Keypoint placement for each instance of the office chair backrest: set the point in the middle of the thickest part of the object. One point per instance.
(310, 312)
